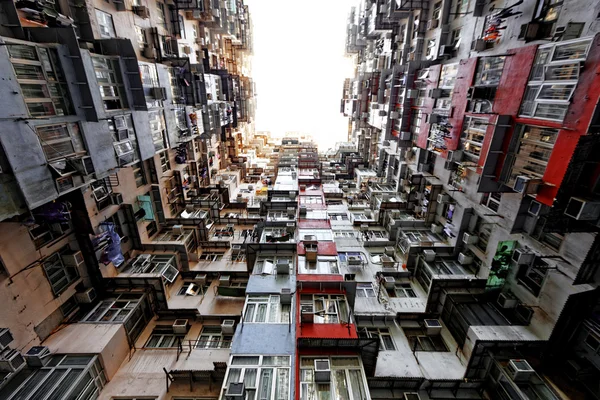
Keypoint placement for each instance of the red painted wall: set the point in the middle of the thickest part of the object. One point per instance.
(513, 82)
(323, 249)
(319, 278)
(432, 82)
(314, 223)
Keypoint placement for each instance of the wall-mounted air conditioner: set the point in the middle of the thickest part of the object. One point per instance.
(387, 262)
(435, 93)
(464, 259)
(394, 115)
(178, 229)
(526, 185)
(285, 296)
(469, 238)
(150, 52)
(74, 259)
(158, 93)
(37, 356)
(180, 326)
(225, 280)
(435, 118)
(193, 289)
(523, 256)
(429, 255)
(5, 338)
(322, 371)
(116, 199)
(433, 326)
(583, 210)
(412, 93)
(520, 370)
(290, 227)
(506, 300)
(228, 327)
(200, 279)
(389, 251)
(433, 24)
(11, 360)
(86, 297)
(435, 228)
(141, 11)
(389, 282)
(354, 260)
(283, 267)
(405, 135)
(455, 155)
(307, 313)
(443, 198)
(83, 165)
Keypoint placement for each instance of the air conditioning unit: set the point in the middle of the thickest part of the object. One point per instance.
(526, 185)
(405, 135)
(435, 93)
(412, 396)
(290, 227)
(435, 118)
(37, 356)
(394, 115)
(429, 255)
(455, 155)
(116, 199)
(520, 370)
(141, 11)
(387, 262)
(86, 297)
(192, 290)
(435, 228)
(583, 210)
(291, 211)
(225, 280)
(158, 93)
(469, 238)
(201, 279)
(464, 259)
(433, 24)
(523, 256)
(446, 50)
(228, 327)
(322, 371)
(506, 300)
(150, 52)
(433, 326)
(389, 282)
(178, 230)
(479, 45)
(443, 198)
(235, 391)
(307, 313)
(74, 259)
(283, 267)
(11, 360)
(423, 167)
(5, 338)
(83, 165)
(354, 260)
(285, 296)
(187, 50)
(180, 326)
(450, 165)
(389, 251)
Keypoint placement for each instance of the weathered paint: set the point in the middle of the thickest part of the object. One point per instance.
(314, 223)
(513, 82)
(427, 108)
(464, 78)
(323, 249)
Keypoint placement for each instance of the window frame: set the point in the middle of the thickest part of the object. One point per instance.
(164, 334)
(60, 273)
(105, 23)
(274, 312)
(108, 68)
(219, 340)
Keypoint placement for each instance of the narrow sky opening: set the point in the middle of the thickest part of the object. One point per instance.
(299, 67)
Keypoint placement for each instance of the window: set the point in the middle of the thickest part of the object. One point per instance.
(63, 377)
(139, 174)
(328, 309)
(311, 200)
(455, 37)
(264, 377)
(165, 163)
(60, 141)
(419, 341)
(163, 265)
(163, 337)
(533, 150)
(40, 76)
(108, 75)
(492, 200)
(365, 290)
(323, 265)
(485, 230)
(321, 234)
(473, 136)
(430, 52)
(402, 290)
(532, 276)
(59, 275)
(161, 16)
(130, 309)
(212, 338)
(383, 334)
(265, 308)
(149, 74)
(489, 71)
(347, 380)
(592, 341)
(460, 8)
(553, 79)
(157, 128)
(124, 139)
(191, 288)
(105, 23)
(266, 265)
(141, 37)
(209, 256)
(448, 76)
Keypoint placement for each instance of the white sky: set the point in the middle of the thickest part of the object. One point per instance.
(299, 67)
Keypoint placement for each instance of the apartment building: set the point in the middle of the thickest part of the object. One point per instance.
(476, 121)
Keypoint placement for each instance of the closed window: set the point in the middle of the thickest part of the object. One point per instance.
(141, 37)
(164, 337)
(492, 200)
(383, 334)
(60, 141)
(264, 377)
(41, 79)
(473, 136)
(489, 71)
(347, 379)
(419, 341)
(365, 290)
(158, 129)
(106, 25)
(110, 82)
(533, 276)
(211, 337)
(265, 308)
(532, 151)
(59, 274)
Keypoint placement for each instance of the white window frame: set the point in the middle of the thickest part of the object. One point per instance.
(211, 337)
(267, 264)
(106, 24)
(380, 333)
(57, 272)
(274, 311)
(266, 376)
(105, 68)
(365, 289)
(327, 308)
(351, 373)
(164, 337)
